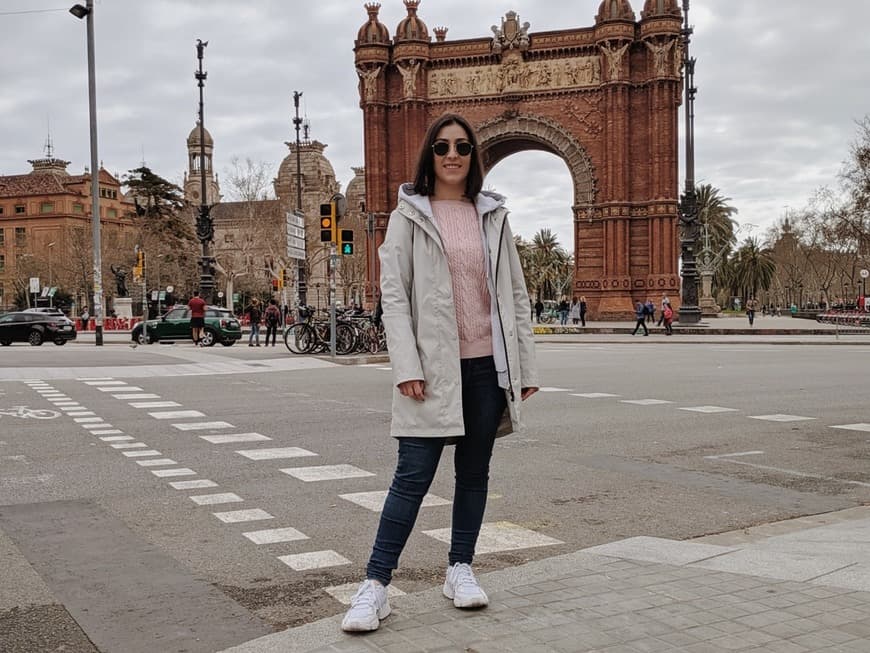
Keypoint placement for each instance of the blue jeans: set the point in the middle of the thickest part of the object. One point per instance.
(563, 317)
(483, 403)
(255, 333)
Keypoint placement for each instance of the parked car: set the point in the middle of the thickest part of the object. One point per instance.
(220, 326)
(35, 328)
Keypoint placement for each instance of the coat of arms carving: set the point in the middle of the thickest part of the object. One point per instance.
(511, 34)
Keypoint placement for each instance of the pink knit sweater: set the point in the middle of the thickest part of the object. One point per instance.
(459, 226)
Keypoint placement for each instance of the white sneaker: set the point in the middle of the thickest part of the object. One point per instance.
(368, 606)
(461, 586)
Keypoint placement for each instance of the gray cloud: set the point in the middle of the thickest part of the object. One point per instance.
(780, 86)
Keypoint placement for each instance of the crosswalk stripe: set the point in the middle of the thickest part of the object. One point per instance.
(500, 536)
(234, 437)
(275, 453)
(156, 462)
(326, 472)
(314, 560)
(237, 516)
(275, 535)
(214, 499)
(176, 414)
(374, 501)
(202, 426)
(193, 485)
(178, 471)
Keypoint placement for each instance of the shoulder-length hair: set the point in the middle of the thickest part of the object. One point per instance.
(424, 180)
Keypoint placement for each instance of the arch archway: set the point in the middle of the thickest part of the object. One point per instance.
(602, 98)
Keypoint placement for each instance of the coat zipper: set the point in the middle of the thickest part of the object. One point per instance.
(498, 310)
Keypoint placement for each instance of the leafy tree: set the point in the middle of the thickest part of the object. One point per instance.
(752, 268)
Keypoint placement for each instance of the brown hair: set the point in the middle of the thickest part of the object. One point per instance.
(424, 181)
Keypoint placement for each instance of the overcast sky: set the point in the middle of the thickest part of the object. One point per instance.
(781, 85)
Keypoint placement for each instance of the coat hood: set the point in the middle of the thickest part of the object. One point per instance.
(485, 202)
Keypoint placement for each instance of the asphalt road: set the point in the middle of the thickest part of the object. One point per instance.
(95, 545)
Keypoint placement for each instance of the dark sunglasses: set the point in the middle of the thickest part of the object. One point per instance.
(463, 148)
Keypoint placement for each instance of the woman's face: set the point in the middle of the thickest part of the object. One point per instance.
(451, 169)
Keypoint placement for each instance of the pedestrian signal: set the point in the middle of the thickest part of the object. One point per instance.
(327, 223)
(346, 242)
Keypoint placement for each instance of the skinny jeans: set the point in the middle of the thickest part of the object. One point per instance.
(483, 403)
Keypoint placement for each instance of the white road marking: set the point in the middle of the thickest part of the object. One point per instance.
(137, 395)
(500, 536)
(101, 425)
(117, 438)
(326, 472)
(270, 454)
(81, 413)
(386, 369)
(94, 378)
(594, 395)
(344, 593)
(374, 501)
(129, 445)
(71, 407)
(645, 402)
(106, 381)
(156, 462)
(734, 455)
(84, 420)
(779, 417)
(176, 414)
(235, 437)
(709, 409)
(60, 403)
(107, 432)
(154, 404)
(193, 485)
(202, 426)
(138, 454)
(236, 516)
(793, 472)
(178, 471)
(853, 427)
(214, 499)
(314, 560)
(549, 389)
(126, 388)
(275, 535)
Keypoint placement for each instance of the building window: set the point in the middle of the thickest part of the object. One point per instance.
(46, 207)
(111, 213)
(2, 238)
(19, 209)
(2, 263)
(78, 208)
(229, 239)
(1, 210)
(20, 237)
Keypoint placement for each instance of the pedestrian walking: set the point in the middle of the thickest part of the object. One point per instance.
(448, 256)
(750, 310)
(273, 318)
(196, 305)
(582, 310)
(650, 311)
(640, 317)
(539, 308)
(665, 302)
(85, 318)
(668, 320)
(254, 315)
(563, 311)
(575, 311)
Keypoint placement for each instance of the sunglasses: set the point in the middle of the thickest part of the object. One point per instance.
(463, 148)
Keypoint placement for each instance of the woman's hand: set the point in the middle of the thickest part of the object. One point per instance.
(528, 392)
(413, 389)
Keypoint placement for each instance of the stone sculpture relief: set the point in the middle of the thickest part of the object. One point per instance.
(614, 59)
(409, 77)
(369, 78)
(660, 56)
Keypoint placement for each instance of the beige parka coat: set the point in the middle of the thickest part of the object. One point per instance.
(420, 318)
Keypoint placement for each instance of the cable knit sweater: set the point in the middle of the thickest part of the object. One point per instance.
(459, 226)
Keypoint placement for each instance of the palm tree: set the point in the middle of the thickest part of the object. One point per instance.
(549, 264)
(753, 268)
(715, 212)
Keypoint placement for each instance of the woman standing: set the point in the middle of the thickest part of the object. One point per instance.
(254, 314)
(460, 340)
(575, 311)
(583, 306)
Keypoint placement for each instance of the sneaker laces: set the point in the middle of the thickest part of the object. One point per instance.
(463, 577)
(366, 596)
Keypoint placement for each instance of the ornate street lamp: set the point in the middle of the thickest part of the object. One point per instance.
(204, 222)
(301, 280)
(97, 300)
(689, 313)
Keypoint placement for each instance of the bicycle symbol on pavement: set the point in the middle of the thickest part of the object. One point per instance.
(25, 412)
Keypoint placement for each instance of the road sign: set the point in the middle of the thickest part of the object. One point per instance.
(220, 294)
(34, 285)
(865, 273)
(296, 235)
(154, 295)
(170, 288)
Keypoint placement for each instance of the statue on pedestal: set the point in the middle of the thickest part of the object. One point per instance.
(120, 280)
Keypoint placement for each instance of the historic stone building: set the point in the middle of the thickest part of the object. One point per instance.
(603, 98)
(45, 230)
(250, 241)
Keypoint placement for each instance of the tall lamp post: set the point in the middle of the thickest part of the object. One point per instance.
(690, 313)
(301, 281)
(50, 294)
(204, 222)
(88, 12)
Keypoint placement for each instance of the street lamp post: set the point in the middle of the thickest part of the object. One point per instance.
(690, 313)
(88, 12)
(50, 294)
(301, 281)
(204, 223)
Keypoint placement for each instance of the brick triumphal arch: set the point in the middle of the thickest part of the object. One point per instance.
(603, 98)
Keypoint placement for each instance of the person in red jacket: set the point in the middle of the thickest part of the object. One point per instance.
(197, 317)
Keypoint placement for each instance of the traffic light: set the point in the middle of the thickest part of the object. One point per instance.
(327, 222)
(139, 268)
(275, 284)
(346, 242)
(281, 278)
(285, 278)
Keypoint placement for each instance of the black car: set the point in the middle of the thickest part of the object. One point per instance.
(35, 328)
